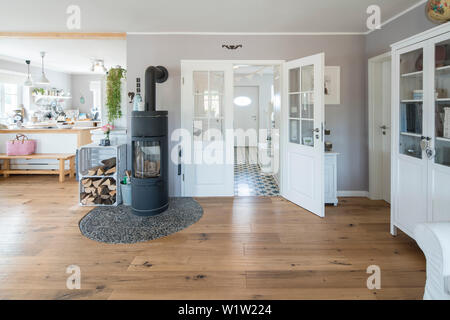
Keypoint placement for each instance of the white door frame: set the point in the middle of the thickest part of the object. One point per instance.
(375, 184)
(248, 62)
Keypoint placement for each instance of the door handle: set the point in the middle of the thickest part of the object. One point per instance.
(316, 130)
(384, 127)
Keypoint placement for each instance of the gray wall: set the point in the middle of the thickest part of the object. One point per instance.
(411, 23)
(57, 79)
(80, 87)
(349, 135)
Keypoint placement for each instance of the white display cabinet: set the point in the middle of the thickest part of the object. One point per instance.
(420, 126)
(90, 157)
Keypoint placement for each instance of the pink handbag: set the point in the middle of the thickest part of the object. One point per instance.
(21, 146)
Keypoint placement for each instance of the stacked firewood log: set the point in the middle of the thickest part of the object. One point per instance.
(98, 190)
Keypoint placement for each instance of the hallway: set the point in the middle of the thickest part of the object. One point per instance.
(248, 179)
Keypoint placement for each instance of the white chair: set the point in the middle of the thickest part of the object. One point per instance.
(434, 240)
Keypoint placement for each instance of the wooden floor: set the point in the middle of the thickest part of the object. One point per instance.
(242, 248)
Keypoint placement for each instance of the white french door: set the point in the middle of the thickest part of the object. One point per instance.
(303, 118)
(207, 116)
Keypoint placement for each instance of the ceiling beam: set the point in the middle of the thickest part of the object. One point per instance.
(65, 35)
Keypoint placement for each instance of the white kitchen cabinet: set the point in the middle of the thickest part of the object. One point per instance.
(331, 178)
(421, 130)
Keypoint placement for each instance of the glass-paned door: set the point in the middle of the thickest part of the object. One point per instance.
(438, 148)
(304, 153)
(442, 103)
(208, 105)
(411, 103)
(207, 114)
(301, 105)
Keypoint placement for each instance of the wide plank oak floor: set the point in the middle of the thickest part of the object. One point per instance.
(242, 248)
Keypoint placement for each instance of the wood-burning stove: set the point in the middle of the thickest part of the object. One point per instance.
(149, 151)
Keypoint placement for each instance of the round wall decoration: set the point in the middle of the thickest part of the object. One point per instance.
(438, 10)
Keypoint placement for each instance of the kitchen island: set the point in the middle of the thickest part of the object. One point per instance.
(48, 141)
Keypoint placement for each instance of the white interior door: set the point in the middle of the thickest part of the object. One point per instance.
(386, 130)
(303, 117)
(246, 106)
(207, 117)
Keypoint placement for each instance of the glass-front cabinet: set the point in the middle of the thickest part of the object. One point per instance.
(421, 130)
(424, 106)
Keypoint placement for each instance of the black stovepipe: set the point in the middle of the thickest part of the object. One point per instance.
(153, 75)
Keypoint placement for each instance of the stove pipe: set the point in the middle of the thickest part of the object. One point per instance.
(153, 75)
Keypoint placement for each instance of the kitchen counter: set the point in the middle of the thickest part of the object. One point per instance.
(46, 130)
(47, 141)
(83, 133)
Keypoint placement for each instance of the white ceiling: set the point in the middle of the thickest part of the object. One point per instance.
(70, 56)
(258, 16)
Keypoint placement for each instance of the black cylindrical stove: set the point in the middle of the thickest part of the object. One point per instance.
(149, 151)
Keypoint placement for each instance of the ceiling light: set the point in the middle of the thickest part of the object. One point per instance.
(29, 81)
(98, 65)
(43, 79)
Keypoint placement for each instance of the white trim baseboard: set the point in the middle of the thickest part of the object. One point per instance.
(357, 193)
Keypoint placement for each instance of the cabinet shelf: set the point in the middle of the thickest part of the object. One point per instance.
(443, 139)
(411, 101)
(443, 69)
(412, 74)
(41, 97)
(410, 134)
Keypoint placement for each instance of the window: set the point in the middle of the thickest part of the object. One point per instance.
(8, 97)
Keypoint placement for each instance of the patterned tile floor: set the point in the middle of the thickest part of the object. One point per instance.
(248, 179)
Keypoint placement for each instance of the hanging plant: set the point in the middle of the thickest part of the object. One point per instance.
(113, 93)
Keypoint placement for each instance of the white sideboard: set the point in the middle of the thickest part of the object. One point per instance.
(331, 178)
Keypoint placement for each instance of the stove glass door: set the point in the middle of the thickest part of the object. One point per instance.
(147, 159)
